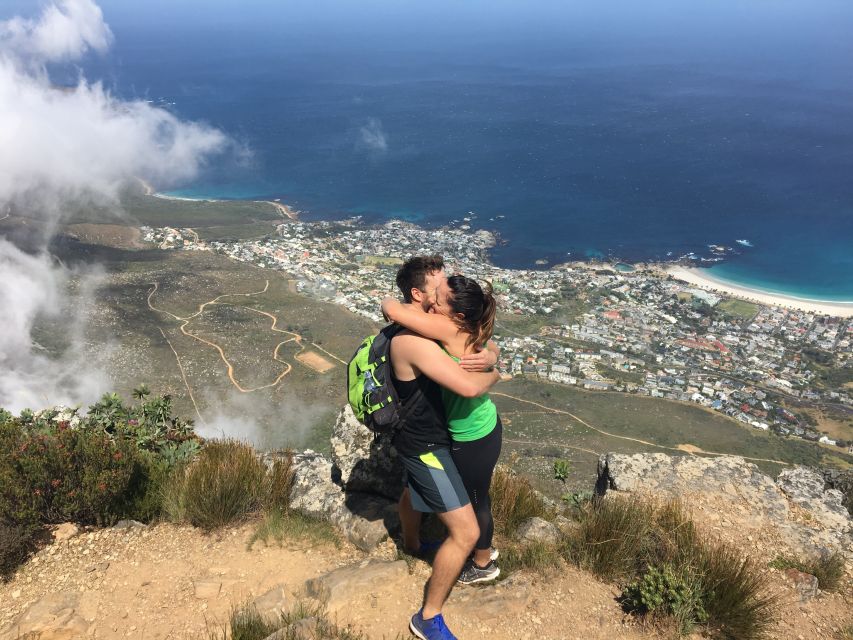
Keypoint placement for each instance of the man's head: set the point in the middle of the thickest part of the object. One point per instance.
(418, 279)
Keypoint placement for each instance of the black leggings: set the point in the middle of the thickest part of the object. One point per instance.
(476, 462)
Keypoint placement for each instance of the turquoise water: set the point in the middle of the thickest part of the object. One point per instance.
(622, 135)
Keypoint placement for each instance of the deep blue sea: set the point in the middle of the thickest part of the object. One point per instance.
(589, 142)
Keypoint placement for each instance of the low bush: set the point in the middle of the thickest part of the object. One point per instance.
(669, 569)
(514, 501)
(827, 568)
(246, 623)
(16, 542)
(669, 592)
(111, 463)
(67, 475)
(226, 483)
(735, 591)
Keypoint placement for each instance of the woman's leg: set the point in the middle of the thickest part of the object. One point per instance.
(476, 462)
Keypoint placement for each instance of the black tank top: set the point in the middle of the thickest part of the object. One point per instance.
(424, 425)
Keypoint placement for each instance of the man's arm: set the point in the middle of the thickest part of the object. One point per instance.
(484, 360)
(429, 325)
(429, 359)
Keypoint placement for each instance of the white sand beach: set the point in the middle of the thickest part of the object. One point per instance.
(700, 278)
(284, 209)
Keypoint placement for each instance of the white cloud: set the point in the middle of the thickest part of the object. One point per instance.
(63, 147)
(65, 31)
(32, 287)
(373, 136)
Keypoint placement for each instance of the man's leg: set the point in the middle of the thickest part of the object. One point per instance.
(410, 523)
(462, 535)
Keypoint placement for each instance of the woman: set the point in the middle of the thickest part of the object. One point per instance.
(463, 323)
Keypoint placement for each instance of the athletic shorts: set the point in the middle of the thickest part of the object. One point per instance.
(434, 482)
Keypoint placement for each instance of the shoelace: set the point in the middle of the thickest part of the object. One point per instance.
(439, 624)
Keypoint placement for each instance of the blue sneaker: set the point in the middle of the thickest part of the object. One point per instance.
(432, 629)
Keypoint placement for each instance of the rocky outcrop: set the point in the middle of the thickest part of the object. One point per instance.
(54, 617)
(806, 488)
(365, 462)
(843, 482)
(365, 519)
(808, 516)
(339, 587)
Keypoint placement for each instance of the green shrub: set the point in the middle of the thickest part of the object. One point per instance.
(655, 547)
(16, 542)
(225, 483)
(735, 592)
(514, 501)
(664, 590)
(70, 474)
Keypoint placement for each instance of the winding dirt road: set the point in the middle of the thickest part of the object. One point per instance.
(185, 320)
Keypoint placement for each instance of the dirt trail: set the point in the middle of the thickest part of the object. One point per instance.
(185, 321)
(176, 582)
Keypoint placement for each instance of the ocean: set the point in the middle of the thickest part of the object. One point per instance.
(571, 143)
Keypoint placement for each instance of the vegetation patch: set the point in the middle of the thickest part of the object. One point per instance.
(514, 500)
(827, 568)
(304, 621)
(737, 309)
(57, 466)
(278, 525)
(225, 484)
(669, 570)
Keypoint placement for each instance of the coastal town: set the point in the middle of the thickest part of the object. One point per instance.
(603, 327)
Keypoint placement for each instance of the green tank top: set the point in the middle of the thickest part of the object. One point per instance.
(468, 418)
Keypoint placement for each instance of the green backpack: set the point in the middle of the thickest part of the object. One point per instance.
(372, 394)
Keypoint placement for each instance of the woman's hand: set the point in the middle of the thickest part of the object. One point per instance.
(484, 360)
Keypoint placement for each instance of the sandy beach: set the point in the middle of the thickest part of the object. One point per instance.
(283, 209)
(700, 278)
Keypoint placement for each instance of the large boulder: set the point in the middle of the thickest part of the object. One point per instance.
(364, 519)
(806, 488)
(364, 461)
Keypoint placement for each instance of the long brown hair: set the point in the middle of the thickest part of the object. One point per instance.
(474, 308)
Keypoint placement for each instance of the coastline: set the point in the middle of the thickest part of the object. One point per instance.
(285, 210)
(699, 278)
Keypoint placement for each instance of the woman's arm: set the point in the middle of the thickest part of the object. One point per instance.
(430, 325)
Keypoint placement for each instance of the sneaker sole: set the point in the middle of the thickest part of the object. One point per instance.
(483, 579)
(415, 632)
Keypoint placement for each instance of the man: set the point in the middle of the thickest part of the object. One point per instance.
(433, 484)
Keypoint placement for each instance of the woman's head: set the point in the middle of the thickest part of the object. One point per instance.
(470, 306)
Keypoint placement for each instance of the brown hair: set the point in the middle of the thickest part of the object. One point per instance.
(414, 271)
(476, 306)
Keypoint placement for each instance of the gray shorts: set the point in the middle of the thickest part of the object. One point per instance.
(434, 482)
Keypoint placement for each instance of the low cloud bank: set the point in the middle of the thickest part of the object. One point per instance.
(62, 148)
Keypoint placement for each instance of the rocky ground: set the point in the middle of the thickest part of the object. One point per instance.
(167, 581)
